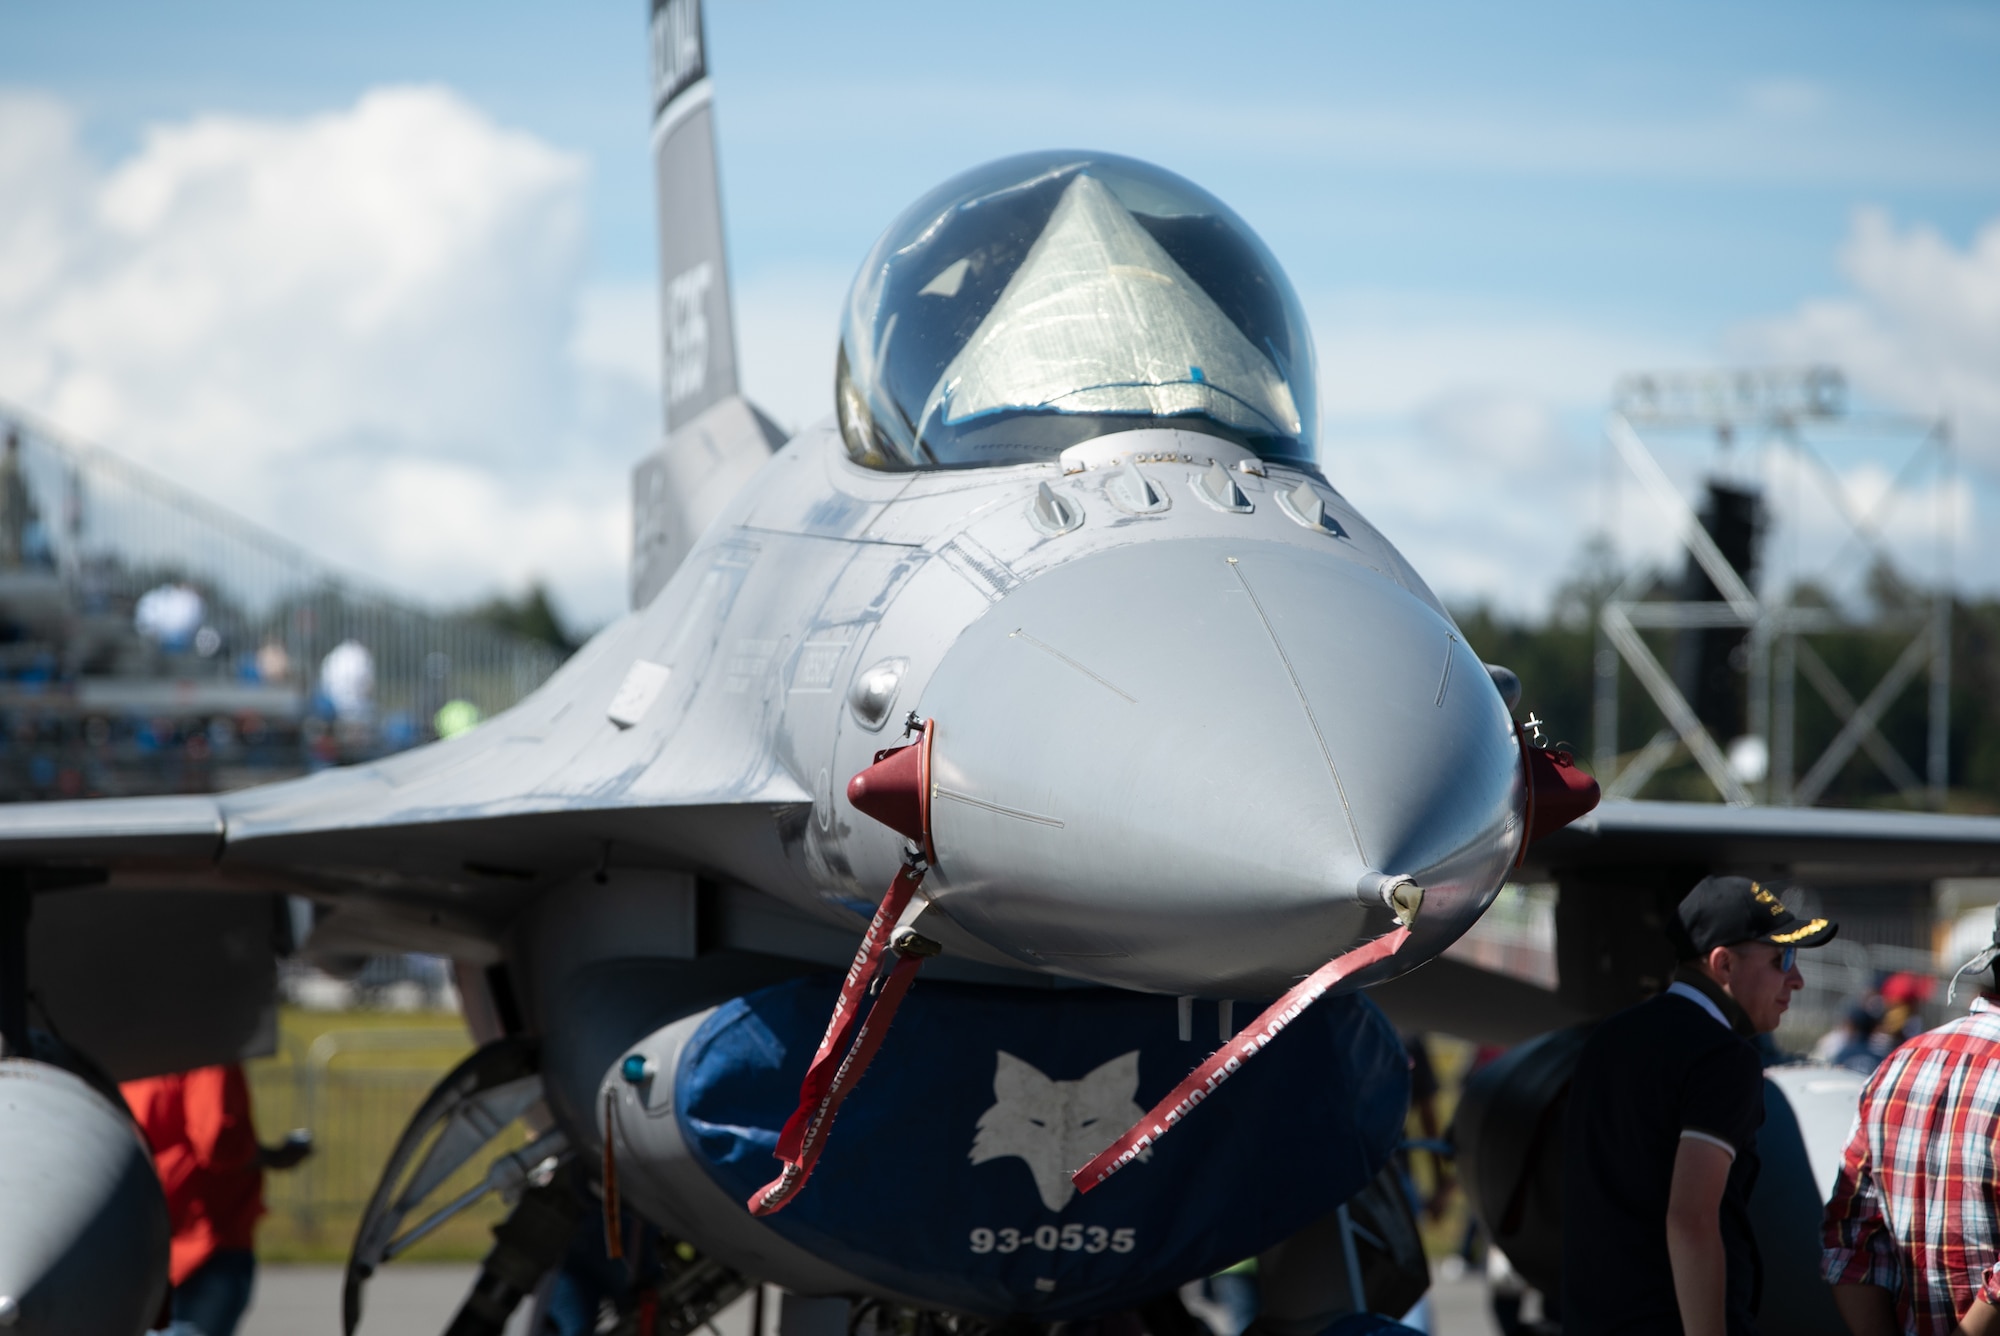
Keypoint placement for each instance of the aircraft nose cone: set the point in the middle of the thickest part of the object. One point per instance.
(1173, 766)
(83, 1224)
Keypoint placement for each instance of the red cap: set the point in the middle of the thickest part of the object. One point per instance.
(1908, 988)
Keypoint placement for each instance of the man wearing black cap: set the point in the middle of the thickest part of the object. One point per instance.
(1659, 1149)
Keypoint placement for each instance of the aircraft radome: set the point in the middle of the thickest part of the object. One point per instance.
(1181, 729)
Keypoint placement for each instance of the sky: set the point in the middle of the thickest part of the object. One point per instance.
(381, 276)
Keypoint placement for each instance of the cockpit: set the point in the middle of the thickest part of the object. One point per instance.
(1042, 300)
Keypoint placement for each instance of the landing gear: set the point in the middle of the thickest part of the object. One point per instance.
(477, 1101)
(527, 1245)
(656, 1287)
(690, 1290)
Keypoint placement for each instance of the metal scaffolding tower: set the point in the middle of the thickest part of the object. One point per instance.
(1788, 411)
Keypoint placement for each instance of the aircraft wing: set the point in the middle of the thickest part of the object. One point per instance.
(174, 829)
(440, 845)
(181, 900)
(1811, 843)
(1620, 859)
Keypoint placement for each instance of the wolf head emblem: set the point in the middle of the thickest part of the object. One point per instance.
(1057, 1126)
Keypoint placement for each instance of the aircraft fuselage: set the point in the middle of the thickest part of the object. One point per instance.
(1191, 709)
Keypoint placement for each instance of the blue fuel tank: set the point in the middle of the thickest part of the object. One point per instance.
(946, 1179)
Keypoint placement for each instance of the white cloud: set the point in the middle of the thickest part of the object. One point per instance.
(364, 329)
(1473, 440)
(1921, 329)
(1379, 356)
(369, 330)
(1510, 433)
(1469, 436)
(1486, 491)
(1838, 516)
(569, 537)
(618, 332)
(788, 327)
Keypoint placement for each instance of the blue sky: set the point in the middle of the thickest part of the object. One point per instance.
(1681, 162)
(1489, 210)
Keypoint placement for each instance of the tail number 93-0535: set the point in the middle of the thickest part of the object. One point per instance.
(1048, 1238)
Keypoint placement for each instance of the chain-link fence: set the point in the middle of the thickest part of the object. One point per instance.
(152, 641)
(355, 1090)
(1842, 973)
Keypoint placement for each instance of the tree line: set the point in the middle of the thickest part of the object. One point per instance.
(1556, 655)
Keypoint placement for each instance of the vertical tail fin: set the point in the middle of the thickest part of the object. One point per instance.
(714, 439)
(695, 318)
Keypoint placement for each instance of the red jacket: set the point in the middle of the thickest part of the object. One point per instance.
(205, 1150)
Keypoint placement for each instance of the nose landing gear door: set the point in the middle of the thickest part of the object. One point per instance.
(468, 1110)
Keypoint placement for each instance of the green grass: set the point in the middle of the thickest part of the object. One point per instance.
(354, 1079)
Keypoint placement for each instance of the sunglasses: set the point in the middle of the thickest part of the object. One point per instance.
(1787, 957)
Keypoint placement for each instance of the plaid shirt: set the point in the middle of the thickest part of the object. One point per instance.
(1917, 1208)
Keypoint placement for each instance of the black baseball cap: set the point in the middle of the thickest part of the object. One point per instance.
(1728, 911)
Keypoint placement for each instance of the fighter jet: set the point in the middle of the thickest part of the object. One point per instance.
(1048, 688)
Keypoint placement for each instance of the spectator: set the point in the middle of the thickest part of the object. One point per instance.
(1903, 997)
(347, 679)
(455, 717)
(17, 508)
(273, 663)
(206, 1152)
(1660, 1138)
(169, 615)
(1854, 1043)
(1912, 1231)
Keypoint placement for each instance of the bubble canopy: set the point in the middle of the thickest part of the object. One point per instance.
(1045, 299)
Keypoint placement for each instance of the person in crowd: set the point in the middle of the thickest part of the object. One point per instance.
(17, 507)
(273, 664)
(206, 1152)
(1659, 1148)
(1912, 1231)
(1856, 1043)
(1903, 996)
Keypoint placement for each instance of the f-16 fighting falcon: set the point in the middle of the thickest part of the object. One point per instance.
(1047, 699)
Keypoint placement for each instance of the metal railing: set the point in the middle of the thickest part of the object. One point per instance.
(150, 639)
(109, 532)
(355, 1090)
(1787, 416)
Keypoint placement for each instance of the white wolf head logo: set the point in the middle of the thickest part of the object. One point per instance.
(1057, 1126)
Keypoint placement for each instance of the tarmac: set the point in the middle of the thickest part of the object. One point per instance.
(413, 1300)
(419, 1300)
(409, 1300)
